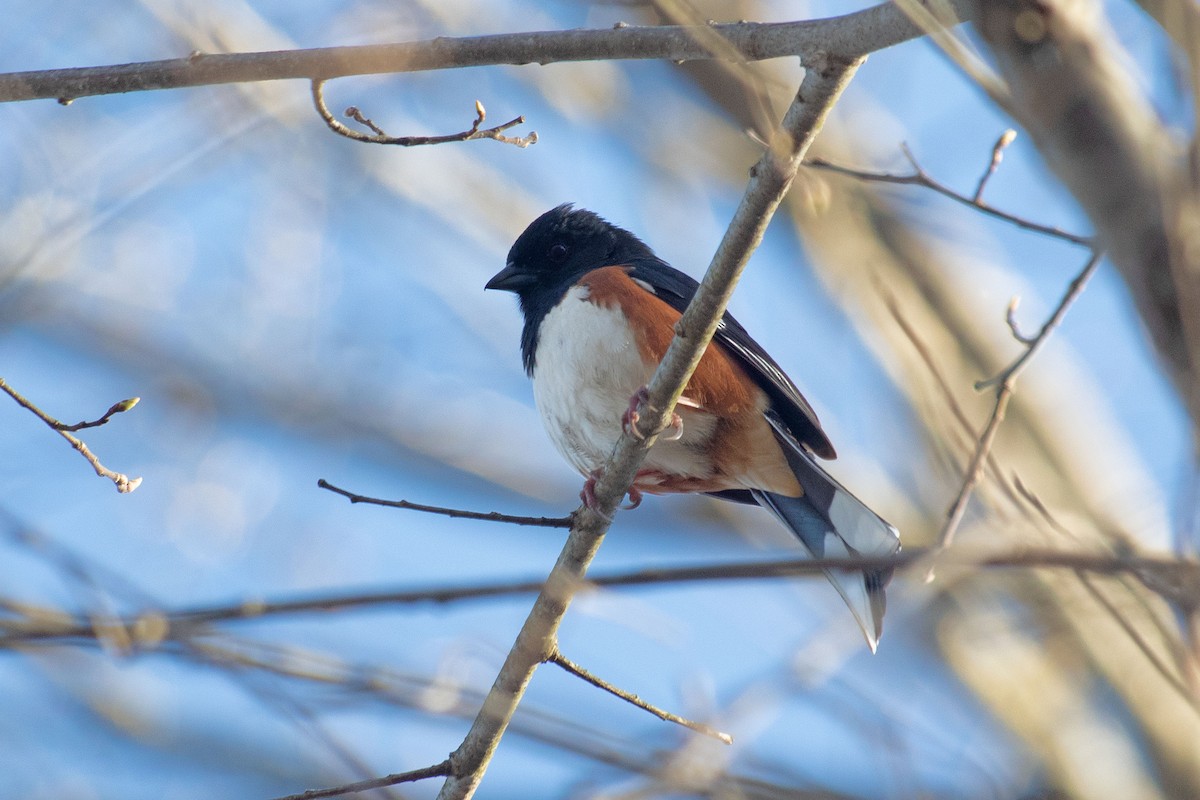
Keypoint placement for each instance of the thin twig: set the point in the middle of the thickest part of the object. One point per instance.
(114, 409)
(457, 513)
(1010, 318)
(1006, 138)
(556, 657)
(123, 482)
(379, 136)
(1034, 345)
(1006, 383)
(919, 177)
(434, 771)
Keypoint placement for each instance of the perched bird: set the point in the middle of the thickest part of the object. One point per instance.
(599, 312)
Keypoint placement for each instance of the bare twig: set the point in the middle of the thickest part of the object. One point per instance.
(1010, 318)
(379, 136)
(1034, 345)
(123, 482)
(1076, 96)
(919, 177)
(1006, 383)
(1006, 138)
(434, 771)
(556, 657)
(114, 409)
(848, 36)
(486, 516)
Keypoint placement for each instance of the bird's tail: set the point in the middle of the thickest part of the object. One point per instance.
(832, 523)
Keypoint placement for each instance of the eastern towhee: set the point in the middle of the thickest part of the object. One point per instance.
(599, 312)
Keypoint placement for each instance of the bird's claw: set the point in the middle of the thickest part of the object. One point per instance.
(630, 418)
(635, 498)
(588, 493)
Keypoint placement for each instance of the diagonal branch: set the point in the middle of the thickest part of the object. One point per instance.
(824, 80)
(559, 660)
(123, 482)
(1006, 384)
(434, 771)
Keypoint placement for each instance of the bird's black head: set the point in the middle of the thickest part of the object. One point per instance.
(555, 251)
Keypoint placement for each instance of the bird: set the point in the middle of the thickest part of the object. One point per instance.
(599, 312)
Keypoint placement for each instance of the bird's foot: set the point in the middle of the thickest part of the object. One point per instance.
(588, 493)
(629, 421)
(635, 498)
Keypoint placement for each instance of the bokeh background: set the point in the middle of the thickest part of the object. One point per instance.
(291, 305)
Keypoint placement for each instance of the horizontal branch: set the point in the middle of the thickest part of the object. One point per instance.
(456, 513)
(846, 37)
(1171, 577)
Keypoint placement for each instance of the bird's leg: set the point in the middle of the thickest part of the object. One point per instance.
(629, 420)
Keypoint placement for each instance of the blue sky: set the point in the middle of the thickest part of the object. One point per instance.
(290, 306)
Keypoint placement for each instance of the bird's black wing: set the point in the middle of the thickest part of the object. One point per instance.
(677, 289)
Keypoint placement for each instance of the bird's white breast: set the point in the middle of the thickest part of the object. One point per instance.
(586, 368)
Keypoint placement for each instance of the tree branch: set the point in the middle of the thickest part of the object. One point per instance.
(456, 513)
(123, 482)
(1006, 385)
(847, 36)
(919, 177)
(434, 771)
(378, 136)
(557, 658)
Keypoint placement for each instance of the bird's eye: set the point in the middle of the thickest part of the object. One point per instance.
(558, 252)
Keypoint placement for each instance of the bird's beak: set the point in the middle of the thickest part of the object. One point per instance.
(511, 279)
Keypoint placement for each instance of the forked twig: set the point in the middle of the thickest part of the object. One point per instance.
(919, 177)
(379, 136)
(123, 482)
(1005, 382)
